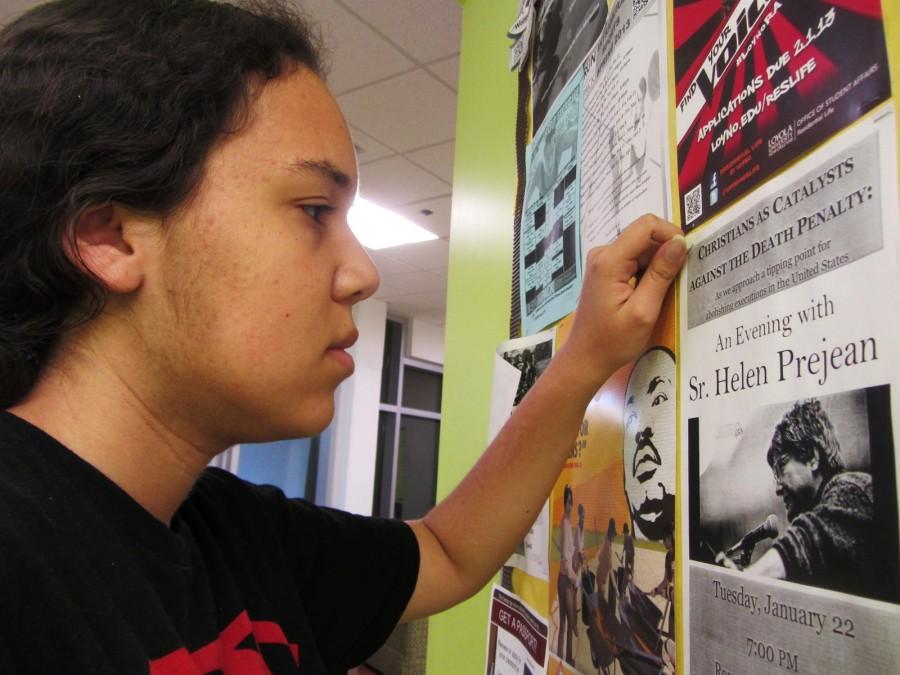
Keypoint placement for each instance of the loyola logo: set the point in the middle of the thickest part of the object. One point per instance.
(781, 140)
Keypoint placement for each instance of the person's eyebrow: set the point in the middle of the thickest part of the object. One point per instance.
(323, 167)
(630, 400)
(655, 382)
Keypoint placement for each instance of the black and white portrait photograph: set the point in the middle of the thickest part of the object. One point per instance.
(566, 31)
(802, 491)
(531, 362)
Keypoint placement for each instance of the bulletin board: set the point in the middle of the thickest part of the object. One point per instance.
(767, 130)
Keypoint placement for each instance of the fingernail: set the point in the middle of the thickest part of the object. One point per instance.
(676, 248)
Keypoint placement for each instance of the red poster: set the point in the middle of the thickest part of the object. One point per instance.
(761, 82)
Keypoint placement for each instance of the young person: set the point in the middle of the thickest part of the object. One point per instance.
(830, 541)
(176, 276)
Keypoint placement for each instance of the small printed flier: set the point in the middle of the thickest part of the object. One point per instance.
(517, 366)
(624, 123)
(550, 242)
(790, 395)
(761, 82)
(520, 33)
(517, 637)
(564, 33)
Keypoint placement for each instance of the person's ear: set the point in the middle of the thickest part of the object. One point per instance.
(107, 240)
(814, 463)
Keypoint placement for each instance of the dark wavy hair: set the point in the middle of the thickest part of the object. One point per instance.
(113, 101)
(805, 432)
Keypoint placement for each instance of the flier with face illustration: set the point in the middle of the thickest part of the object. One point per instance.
(790, 394)
(612, 550)
(649, 444)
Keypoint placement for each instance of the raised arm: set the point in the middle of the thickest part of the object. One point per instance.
(460, 548)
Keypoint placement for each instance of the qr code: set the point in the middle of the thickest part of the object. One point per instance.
(693, 204)
(639, 6)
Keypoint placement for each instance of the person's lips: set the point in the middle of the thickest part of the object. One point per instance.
(646, 460)
(347, 341)
(338, 349)
(645, 475)
(651, 509)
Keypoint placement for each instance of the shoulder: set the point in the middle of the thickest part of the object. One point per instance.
(220, 495)
(859, 479)
(218, 487)
(36, 483)
(849, 484)
(215, 482)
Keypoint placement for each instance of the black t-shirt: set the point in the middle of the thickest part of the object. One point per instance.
(245, 580)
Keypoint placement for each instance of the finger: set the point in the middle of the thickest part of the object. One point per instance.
(644, 234)
(644, 259)
(654, 283)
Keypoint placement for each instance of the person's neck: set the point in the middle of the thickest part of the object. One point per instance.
(86, 405)
(820, 486)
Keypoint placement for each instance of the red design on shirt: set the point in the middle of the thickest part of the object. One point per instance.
(222, 653)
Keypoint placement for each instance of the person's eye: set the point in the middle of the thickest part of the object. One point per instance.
(318, 212)
(659, 398)
(632, 418)
(780, 463)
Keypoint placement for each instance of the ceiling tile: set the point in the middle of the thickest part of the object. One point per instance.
(438, 159)
(438, 222)
(426, 255)
(395, 181)
(358, 54)
(388, 264)
(435, 317)
(425, 302)
(447, 71)
(426, 29)
(406, 112)
(367, 148)
(411, 283)
(386, 291)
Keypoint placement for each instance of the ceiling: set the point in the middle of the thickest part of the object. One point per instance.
(394, 68)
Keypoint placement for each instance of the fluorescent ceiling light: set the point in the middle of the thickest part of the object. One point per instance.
(377, 227)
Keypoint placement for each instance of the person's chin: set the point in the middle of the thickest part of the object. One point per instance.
(311, 417)
(655, 517)
(792, 510)
(343, 360)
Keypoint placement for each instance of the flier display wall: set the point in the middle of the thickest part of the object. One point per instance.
(730, 504)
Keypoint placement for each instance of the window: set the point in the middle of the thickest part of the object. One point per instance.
(409, 427)
(292, 465)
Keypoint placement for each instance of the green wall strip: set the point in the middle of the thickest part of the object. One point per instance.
(484, 189)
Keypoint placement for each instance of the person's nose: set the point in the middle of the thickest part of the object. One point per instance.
(645, 434)
(356, 277)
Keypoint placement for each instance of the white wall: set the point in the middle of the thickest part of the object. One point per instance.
(426, 341)
(350, 472)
